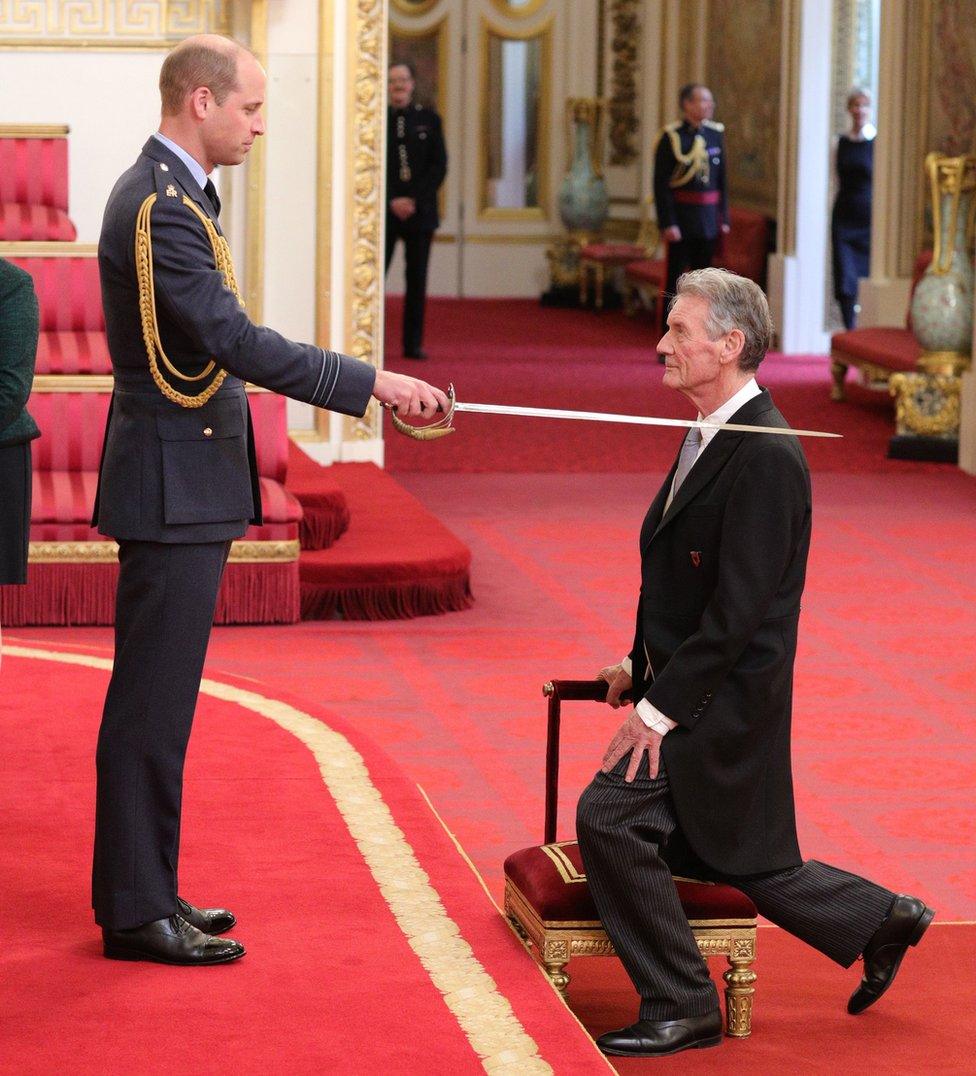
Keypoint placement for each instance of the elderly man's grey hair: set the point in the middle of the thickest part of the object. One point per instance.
(734, 302)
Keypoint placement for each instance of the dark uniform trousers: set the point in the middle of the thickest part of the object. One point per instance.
(689, 252)
(167, 595)
(622, 827)
(416, 251)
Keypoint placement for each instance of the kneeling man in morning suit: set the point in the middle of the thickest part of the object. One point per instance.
(178, 480)
(699, 777)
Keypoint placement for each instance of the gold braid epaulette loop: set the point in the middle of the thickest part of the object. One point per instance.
(147, 304)
(694, 162)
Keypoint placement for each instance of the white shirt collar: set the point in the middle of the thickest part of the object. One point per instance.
(194, 166)
(722, 414)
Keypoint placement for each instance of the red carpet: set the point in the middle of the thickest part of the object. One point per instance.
(331, 982)
(884, 757)
(516, 352)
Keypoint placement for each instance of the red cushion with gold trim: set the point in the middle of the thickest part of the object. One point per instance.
(68, 291)
(36, 223)
(892, 348)
(552, 880)
(648, 271)
(612, 252)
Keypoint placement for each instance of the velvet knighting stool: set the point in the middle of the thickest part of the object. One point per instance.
(548, 902)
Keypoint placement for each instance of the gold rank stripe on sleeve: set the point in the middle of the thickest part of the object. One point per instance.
(147, 303)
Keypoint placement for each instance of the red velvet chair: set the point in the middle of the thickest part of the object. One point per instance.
(34, 184)
(881, 350)
(548, 901)
(599, 258)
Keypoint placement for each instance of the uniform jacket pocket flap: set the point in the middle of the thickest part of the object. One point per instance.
(205, 424)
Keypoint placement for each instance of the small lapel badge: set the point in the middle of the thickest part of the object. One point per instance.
(171, 192)
(696, 557)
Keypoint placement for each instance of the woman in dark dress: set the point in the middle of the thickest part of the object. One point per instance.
(18, 349)
(851, 221)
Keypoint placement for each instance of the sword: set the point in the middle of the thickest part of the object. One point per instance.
(443, 426)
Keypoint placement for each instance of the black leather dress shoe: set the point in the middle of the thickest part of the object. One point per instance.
(170, 941)
(207, 920)
(906, 923)
(419, 354)
(657, 1038)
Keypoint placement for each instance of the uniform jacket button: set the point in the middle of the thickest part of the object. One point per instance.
(208, 432)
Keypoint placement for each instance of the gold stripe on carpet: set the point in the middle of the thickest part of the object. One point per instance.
(485, 1016)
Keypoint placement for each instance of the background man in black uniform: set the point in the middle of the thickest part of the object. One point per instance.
(698, 778)
(416, 163)
(178, 480)
(690, 186)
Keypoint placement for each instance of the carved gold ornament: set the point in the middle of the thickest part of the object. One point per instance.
(625, 45)
(951, 176)
(926, 405)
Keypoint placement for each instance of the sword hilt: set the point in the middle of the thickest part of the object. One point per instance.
(433, 430)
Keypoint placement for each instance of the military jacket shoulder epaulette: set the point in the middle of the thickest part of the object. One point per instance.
(714, 125)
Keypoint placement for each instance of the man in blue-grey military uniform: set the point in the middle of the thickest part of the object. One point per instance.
(178, 479)
(416, 163)
(690, 186)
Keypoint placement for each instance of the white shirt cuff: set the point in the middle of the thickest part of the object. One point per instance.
(627, 665)
(654, 719)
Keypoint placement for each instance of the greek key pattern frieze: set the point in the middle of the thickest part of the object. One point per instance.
(109, 24)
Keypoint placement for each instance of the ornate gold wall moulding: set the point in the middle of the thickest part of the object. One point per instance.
(241, 552)
(926, 405)
(415, 7)
(365, 147)
(625, 45)
(518, 11)
(103, 24)
(34, 130)
(31, 248)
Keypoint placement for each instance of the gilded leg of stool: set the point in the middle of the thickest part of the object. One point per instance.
(838, 371)
(738, 995)
(555, 957)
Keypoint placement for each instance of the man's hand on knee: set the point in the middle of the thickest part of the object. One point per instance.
(634, 736)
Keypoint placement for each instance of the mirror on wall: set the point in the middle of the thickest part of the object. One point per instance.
(511, 167)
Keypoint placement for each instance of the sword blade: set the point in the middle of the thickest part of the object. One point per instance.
(630, 420)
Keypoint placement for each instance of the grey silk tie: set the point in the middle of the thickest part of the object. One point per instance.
(689, 450)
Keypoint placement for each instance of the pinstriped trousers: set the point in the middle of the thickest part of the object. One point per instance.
(621, 828)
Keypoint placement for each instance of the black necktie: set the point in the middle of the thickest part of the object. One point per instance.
(211, 192)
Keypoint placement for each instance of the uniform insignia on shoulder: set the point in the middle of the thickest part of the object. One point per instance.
(171, 192)
(163, 166)
(714, 124)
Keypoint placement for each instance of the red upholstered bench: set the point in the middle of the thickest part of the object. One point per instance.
(72, 338)
(878, 351)
(34, 184)
(605, 255)
(548, 901)
(73, 568)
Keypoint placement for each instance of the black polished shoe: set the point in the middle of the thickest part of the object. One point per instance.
(417, 353)
(657, 1038)
(207, 920)
(170, 941)
(906, 923)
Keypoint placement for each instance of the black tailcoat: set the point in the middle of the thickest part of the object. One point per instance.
(722, 572)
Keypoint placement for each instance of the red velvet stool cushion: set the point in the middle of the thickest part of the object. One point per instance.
(648, 271)
(612, 252)
(552, 880)
(892, 348)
